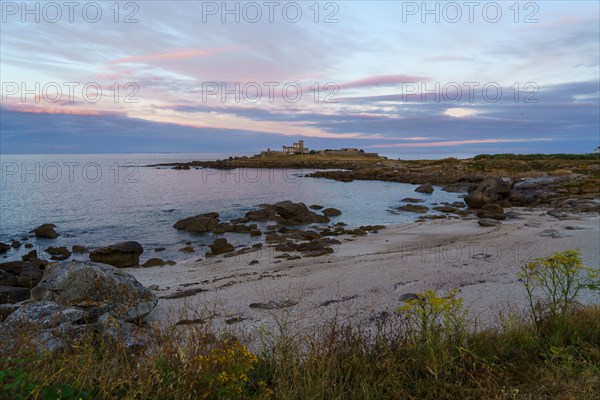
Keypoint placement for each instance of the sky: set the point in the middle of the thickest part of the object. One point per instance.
(405, 79)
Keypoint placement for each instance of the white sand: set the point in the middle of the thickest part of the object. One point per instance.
(368, 274)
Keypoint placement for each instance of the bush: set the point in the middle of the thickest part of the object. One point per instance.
(559, 278)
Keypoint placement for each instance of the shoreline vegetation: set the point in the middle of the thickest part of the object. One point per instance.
(384, 315)
(425, 350)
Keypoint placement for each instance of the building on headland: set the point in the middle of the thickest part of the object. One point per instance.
(597, 151)
(296, 148)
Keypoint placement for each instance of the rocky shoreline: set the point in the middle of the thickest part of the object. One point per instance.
(289, 231)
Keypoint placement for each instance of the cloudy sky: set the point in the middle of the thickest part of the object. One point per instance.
(399, 78)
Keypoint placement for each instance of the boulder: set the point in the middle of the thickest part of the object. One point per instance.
(491, 190)
(24, 274)
(46, 231)
(15, 244)
(121, 255)
(297, 213)
(153, 262)
(99, 288)
(331, 212)
(424, 188)
(199, 224)
(491, 210)
(58, 253)
(76, 299)
(4, 248)
(221, 246)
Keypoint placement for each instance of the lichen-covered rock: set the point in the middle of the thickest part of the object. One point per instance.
(121, 255)
(92, 285)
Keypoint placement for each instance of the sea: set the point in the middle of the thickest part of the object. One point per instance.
(96, 200)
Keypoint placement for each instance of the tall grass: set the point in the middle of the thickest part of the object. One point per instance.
(424, 351)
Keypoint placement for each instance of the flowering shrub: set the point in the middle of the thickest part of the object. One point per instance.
(559, 278)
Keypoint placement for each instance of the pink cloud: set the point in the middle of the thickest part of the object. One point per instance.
(383, 80)
(453, 143)
(43, 109)
(176, 55)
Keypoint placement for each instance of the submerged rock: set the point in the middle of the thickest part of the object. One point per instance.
(413, 208)
(121, 255)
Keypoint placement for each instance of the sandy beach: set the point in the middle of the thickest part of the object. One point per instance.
(367, 276)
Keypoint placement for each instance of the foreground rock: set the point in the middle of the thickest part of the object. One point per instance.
(198, 224)
(99, 288)
(121, 255)
(46, 231)
(81, 298)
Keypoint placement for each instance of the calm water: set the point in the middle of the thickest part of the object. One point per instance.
(96, 200)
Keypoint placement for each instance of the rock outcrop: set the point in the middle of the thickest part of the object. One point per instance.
(490, 190)
(121, 255)
(199, 224)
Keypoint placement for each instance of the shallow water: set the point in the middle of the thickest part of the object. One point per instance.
(96, 200)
